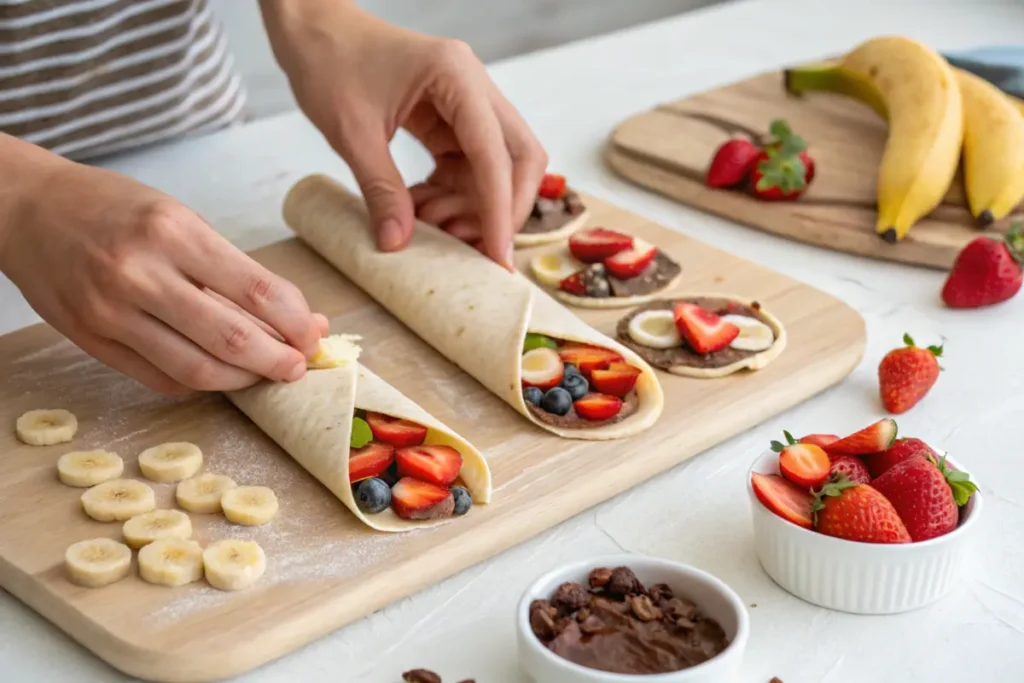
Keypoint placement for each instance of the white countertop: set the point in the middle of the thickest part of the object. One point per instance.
(697, 512)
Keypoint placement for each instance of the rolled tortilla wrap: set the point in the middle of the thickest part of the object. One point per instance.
(467, 307)
(312, 421)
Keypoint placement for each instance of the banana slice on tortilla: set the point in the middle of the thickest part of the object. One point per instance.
(655, 329)
(554, 266)
(754, 335)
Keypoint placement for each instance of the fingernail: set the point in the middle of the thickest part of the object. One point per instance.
(390, 234)
(509, 260)
(296, 373)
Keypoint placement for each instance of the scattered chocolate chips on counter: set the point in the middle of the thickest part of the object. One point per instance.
(426, 676)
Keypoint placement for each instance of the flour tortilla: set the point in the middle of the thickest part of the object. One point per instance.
(533, 239)
(616, 301)
(312, 421)
(471, 310)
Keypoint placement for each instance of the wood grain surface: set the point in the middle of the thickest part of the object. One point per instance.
(325, 569)
(669, 148)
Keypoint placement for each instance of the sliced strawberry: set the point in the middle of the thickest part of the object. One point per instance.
(435, 464)
(542, 368)
(871, 439)
(805, 465)
(414, 499)
(395, 431)
(369, 461)
(594, 245)
(574, 284)
(783, 498)
(821, 440)
(588, 358)
(631, 262)
(598, 407)
(618, 379)
(552, 186)
(703, 331)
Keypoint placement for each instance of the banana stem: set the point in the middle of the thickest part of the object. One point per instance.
(835, 79)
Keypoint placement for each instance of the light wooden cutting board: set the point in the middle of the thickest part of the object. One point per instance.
(668, 150)
(325, 570)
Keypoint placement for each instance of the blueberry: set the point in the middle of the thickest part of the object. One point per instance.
(570, 369)
(533, 395)
(373, 495)
(463, 501)
(557, 401)
(576, 385)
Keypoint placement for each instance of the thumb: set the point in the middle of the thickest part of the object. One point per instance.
(387, 199)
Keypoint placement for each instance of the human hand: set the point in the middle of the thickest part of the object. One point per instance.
(359, 79)
(143, 284)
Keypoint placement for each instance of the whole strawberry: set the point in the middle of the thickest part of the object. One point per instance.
(900, 450)
(906, 374)
(732, 163)
(784, 169)
(926, 495)
(851, 467)
(857, 512)
(987, 271)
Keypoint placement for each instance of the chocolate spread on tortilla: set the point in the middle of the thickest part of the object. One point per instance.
(682, 354)
(654, 278)
(549, 215)
(572, 420)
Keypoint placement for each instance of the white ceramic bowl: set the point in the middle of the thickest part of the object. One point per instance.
(862, 578)
(712, 596)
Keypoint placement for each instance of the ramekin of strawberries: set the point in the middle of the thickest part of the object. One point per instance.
(868, 523)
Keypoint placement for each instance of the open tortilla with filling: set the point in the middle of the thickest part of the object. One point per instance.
(311, 419)
(467, 307)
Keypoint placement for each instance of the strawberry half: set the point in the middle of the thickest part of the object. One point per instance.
(369, 461)
(617, 380)
(783, 498)
(630, 263)
(588, 358)
(804, 464)
(594, 245)
(574, 284)
(542, 368)
(857, 512)
(552, 186)
(414, 499)
(598, 407)
(434, 464)
(821, 440)
(732, 163)
(703, 331)
(395, 431)
(871, 439)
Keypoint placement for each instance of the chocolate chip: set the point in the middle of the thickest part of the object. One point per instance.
(570, 597)
(599, 577)
(678, 610)
(643, 608)
(535, 212)
(542, 619)
(421, 676)
(659, 592)
(756, 305)
(623, 582)
(595, 281)
(573, 203)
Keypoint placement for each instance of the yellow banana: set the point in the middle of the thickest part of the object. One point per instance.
(916, 90)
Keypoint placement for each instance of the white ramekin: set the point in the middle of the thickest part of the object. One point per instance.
(862, 578)
(712, 596)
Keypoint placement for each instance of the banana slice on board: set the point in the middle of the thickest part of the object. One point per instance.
(202, 494)
(117, 500)
(754, 335)
(171, 562)
(152, 526)
(655, 329)
(553, 267)
(232, 565)
(249, 505)
(46, 427)
(170, 462)
(83, 469)
(97, 562)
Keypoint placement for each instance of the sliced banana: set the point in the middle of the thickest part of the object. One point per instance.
(232, 564)
(335, 351)
(171, 562)
(83, 469)
(46, 427)
(152, 526)
(170, 462)
(655, 329)
(249, 505)
(754, 335)
(202, 494)
(117, 500)
(97, 562)
(554, 266)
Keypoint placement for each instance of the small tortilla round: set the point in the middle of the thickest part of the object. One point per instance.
(534, 239)
(616, 301)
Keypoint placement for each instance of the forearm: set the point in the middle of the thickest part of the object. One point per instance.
(24, 168)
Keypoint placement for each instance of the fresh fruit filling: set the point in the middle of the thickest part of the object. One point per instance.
(576, 385)
(391, 466)
(555, 207)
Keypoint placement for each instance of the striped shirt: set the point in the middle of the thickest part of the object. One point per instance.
(88, 77)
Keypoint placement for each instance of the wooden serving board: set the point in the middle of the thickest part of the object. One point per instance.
(668, 150)
(325, 569)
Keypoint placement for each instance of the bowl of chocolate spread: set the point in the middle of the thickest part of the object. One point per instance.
(631, 619)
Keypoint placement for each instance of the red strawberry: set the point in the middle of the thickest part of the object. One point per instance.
(871, 439)
(987, 271)
(398, 433)
(552, 186)
(818, 439)
(784, 169)
(414, 499)
(588, 358)
(851, 467)
(804, 464)
(732, 163)
(574, 284)
(594, 245)
(598, 407)
(857, 512)
(369, 461)
(783, 498)
(617, 380)
(542, 368)
(900, 450)
(926, 495)
(434, 464)
(630, 263)
(906, 374)
(703, 331)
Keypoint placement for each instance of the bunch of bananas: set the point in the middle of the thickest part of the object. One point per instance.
(935, 112)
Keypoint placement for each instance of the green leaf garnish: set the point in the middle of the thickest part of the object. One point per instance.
(536, 341)
(361, 433)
